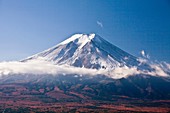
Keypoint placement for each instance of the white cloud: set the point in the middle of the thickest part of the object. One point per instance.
(100, 24)
(143, 53)
(121, 72)
(41, 66)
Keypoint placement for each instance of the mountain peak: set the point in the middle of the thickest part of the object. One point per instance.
(79, 38)
(89, 51)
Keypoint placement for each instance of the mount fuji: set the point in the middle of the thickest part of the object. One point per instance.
(88, 51)
(59, 80)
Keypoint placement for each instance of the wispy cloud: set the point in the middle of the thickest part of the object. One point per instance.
(100, 24)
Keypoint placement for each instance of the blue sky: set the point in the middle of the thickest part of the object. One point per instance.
(30, 26)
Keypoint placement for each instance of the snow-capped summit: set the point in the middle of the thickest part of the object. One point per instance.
(89, 51)
(79, 39)
(82, 38)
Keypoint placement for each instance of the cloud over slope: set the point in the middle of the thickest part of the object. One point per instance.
(40, 66)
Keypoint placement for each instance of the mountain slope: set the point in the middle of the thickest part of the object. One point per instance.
(89, 51)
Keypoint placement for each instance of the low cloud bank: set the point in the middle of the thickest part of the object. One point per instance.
(41, 66)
